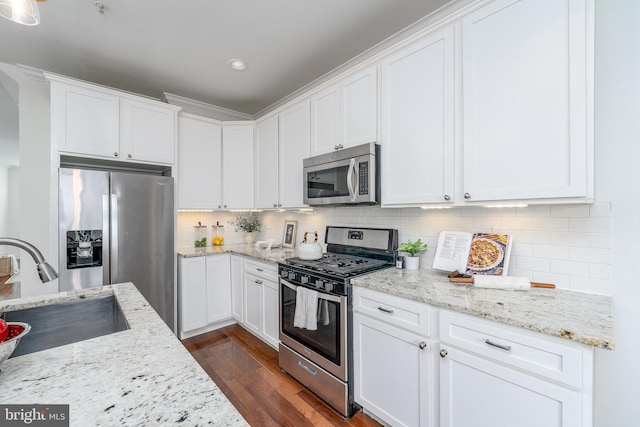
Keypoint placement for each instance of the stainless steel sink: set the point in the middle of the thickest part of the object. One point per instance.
(65, 323)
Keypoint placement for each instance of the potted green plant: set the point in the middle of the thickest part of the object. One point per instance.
(249, 224)
(412, 262)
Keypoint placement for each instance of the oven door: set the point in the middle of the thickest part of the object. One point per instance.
(326, 346)
(341, 182)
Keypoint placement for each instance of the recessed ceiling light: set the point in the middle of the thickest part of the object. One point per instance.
(237, 64)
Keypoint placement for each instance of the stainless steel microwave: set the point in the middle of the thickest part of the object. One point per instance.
(343, 177)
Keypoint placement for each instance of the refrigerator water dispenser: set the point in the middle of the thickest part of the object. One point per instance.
(84, 248)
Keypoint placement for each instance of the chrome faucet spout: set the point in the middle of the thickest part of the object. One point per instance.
(45, 271)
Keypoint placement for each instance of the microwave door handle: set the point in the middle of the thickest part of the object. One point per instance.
(352, 167)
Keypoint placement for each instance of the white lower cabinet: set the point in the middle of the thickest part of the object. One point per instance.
(500, 376)
(471, 371)
(205, 294)
(237, 288)
(393, 359)
(261, 301)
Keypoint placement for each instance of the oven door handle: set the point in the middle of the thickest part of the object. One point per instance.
(321, 295)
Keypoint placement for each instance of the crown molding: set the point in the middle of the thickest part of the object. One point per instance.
(32, 73)
(203, 109)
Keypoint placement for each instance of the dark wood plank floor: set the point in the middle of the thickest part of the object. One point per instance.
(246, 370)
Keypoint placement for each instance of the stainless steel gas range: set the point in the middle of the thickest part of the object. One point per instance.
(316, 324)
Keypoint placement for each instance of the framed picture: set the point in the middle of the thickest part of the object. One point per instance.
(289, 236)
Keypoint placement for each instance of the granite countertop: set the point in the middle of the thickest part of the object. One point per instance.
(141, 376)
(577, 316)
(274, 255)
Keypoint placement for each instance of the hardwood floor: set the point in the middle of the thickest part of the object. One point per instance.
(246, 370)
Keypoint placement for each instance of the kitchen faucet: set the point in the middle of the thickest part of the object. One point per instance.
(45, 271)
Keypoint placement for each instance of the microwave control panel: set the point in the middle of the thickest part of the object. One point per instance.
(363, 168)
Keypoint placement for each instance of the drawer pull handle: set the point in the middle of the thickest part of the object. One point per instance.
(306, 368)
(386, 310)
(260, 269)
(503, 347)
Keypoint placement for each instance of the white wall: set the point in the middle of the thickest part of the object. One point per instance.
(35, 180)
(617, 123)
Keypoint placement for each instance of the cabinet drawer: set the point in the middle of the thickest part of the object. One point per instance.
(264, 270)
(393, 310)
(525, 350)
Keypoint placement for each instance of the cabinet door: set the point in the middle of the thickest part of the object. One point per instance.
(199, 164)
(418, 123)
(193, 293)
(294, 147)
(391, 373)
(237, 294)
(267, 164)
(252, 303)
(237, 166)
(325, 120)
(85, 121)
(359, 108)
(270, 304)
(525, 131)
(476, 392)
(147, 131)
(218, 288)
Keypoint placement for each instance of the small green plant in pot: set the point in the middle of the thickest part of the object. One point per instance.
(412, 262)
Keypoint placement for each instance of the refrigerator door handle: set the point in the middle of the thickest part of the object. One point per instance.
(114, 233)
(105, 241)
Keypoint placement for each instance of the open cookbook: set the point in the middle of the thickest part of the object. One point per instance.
(473, 253)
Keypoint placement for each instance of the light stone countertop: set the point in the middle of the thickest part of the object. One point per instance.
(577, 316)
(274, 255)
(141, 376)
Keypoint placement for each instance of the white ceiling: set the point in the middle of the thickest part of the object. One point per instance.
(182, 46)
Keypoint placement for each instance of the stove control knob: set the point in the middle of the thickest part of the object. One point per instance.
(329, 287)
(319, 283)
(284, 274)
(304, 279)
(292, 275)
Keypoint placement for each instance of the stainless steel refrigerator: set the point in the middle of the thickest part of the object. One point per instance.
(118, 227)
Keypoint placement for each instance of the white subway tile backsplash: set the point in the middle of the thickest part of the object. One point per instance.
(600, 240)
(591, 255)
(532, 264)
(590, 225)
(569, 245)
(551, 252)
(600, 210)
(569, 268)
(569, 239)
(569, 211)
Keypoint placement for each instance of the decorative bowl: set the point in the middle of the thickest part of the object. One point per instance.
(17, 330)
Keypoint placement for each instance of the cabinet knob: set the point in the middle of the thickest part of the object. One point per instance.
(335, 147)
(467, 196)
(447, 197)
(129, 156)
(259, 282)
(225, 206)
(115, 154)
(219, 206)
(275, 205)
(443, 353)
(279, 205)
(422, 345)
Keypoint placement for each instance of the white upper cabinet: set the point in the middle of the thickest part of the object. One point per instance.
(237, 166)
(93, 121)
(417, 123)
(294, 134)
(147, 131)
(345, 114)
(267, 163)
(526, 89)
(199, 163)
